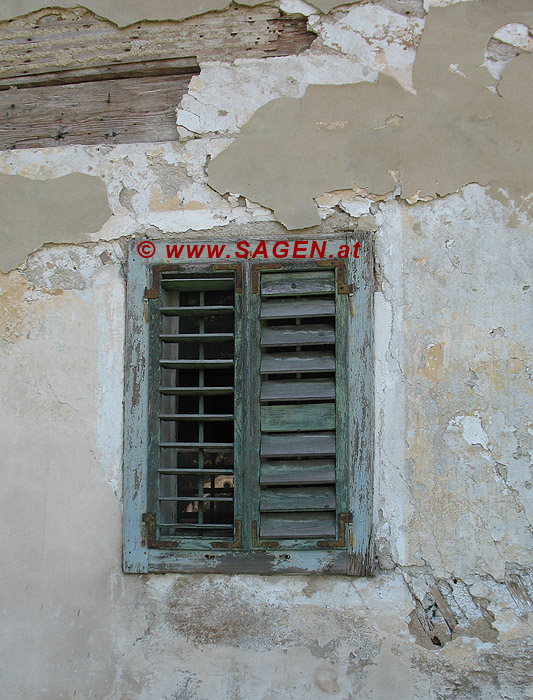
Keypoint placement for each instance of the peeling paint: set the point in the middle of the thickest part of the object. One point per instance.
(437, 144)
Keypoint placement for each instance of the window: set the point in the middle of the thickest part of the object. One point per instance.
(248, 415)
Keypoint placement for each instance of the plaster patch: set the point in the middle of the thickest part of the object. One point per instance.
(473, 432)
(125, 13)
(61, 210)
(437, 140)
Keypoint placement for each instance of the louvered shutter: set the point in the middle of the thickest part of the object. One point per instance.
(298, 502)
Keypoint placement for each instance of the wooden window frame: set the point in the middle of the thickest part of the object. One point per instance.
(351, 553)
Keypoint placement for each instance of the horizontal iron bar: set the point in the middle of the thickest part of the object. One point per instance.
(197, 416)
(196, 310)
(193, 499)
(205, 445)
(198, 472)
(195, 390)
(196, 526)
(195, 337)
(195, 364)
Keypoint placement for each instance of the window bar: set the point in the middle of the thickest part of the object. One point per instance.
(175, 324)
(201, 383)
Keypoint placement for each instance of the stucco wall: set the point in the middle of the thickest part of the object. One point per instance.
(448, 613)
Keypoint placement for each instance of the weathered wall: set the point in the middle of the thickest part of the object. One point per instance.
(448, 614)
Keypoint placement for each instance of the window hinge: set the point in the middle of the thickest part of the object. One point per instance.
(256, 542)
(255, 273)
(237, 542)
(345, 519)
(342, 286)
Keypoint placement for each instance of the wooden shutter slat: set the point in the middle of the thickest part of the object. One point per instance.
(292, 390)
(297, 308)
(297, 417)
(292, 472)
(297, 283)
(286, 363)
(297, 525)
(294, 499)
(293, 445)
(317, 334)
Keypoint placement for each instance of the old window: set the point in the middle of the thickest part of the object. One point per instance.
(248, 416)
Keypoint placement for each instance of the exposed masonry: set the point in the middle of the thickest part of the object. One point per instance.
(448, 615)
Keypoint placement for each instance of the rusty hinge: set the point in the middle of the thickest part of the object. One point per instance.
(255, 273)
(256, 542)
(342, 286)
(238, 273)
(340, 542)
(237, 542)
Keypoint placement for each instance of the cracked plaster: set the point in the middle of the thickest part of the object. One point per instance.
(379, 136)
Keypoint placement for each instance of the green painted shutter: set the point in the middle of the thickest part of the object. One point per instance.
(298, 499)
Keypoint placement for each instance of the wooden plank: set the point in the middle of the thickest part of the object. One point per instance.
(203, 284)
(81, 39)
(265, 561)
(112, 111)
(297, 498)
(300, 444)
(297, 389)
(136, 69)
(297, 308)
(284, 336)
(197, 310)
(287, 362)
(297, 471)
(297, 525)
(297, 283)
(297, 417)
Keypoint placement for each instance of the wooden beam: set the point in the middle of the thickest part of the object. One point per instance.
(52, 39)
(73, 76)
